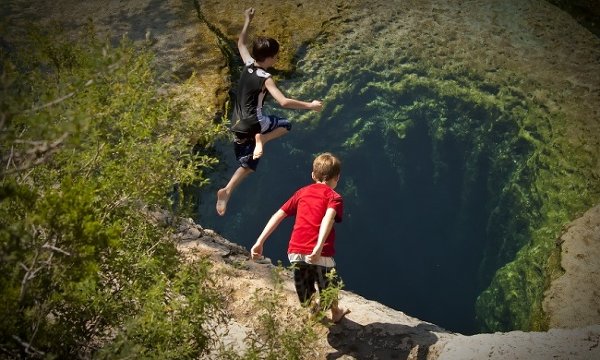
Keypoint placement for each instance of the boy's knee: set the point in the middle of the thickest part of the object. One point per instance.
(286, 125)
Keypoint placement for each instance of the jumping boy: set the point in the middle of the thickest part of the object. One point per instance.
(252, 129)
(311, 247)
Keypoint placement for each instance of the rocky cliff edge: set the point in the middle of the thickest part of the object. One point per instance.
(374, 331)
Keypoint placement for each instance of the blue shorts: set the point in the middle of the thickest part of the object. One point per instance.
(269, 123)
(244, 147)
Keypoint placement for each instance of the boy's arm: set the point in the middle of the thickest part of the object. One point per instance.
(324, 230)
(274, 221)
(286, 102)
(242, 39)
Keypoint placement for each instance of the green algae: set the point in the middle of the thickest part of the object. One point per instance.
(535, 179)
(564, 191)
(534, 189)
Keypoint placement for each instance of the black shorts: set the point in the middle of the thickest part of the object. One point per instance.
(305, 278)
(244, 149)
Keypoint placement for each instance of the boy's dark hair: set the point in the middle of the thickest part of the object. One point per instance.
(264, 47)
(326, 166)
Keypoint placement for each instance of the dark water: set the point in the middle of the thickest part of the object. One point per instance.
(414, 228)
(427, 158)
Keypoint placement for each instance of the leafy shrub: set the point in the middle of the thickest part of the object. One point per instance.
(86, 141)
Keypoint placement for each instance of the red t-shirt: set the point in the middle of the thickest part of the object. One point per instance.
(309, 205)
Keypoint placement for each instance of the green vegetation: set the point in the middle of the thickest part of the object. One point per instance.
(88, 143)
(561, 191)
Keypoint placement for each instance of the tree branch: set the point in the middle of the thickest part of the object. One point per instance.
(36, 155)
(52, 247)
(29, 349)
(53, 102)
(59, 100)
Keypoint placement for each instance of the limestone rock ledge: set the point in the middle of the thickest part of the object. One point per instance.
(573, 299)
(372, 330)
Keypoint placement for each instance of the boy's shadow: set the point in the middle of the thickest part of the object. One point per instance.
(381, 340)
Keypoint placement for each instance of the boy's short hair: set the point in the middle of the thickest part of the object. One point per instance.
(264, 47)
(326, 166)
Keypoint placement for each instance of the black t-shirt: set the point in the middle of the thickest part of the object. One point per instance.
(250, 98)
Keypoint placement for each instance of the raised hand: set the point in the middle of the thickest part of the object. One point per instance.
(249, 13)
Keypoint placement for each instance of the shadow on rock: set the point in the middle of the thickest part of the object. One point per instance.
(381, 340)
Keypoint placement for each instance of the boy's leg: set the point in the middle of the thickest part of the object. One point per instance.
(337, 312)
(258, 148)
(262, 139)
(272, 127)
(304, 282)
(278, 132)
(323, 282)
(224, 193)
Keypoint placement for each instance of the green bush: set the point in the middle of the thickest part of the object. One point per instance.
(86, 142)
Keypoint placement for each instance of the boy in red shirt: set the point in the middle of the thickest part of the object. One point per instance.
(311, 248)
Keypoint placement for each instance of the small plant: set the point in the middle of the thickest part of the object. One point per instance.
(330, 295)
(280, 332)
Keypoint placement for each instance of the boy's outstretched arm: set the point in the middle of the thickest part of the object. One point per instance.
(288, 103)
(274, 221)
(324, 230)
(243, 38)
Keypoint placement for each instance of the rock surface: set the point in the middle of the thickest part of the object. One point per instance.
(573, 299)
(374, 331)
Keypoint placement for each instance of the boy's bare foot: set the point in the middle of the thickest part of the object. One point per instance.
(337, 314)
(222, 198)
(258, 151)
